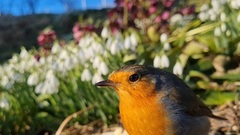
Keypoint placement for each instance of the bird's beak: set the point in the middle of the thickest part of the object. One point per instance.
(106, 83)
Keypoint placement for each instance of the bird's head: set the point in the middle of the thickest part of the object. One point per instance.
(134, 80)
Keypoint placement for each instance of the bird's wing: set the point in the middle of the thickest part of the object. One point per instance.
(192, 105)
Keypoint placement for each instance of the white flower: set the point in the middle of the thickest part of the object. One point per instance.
(228, 33)
(6, 82)
(217, 32)
(70, 62)
(42, 60)
(178, 69)
(215, 4)
(86, 75)
(105, 32)
(133, 39)
(40, 88)
(223, 17)
(164, 61)
(115, 46)
(127, 43)
(176, 19)
(51, 83)
(103, 69)
(63, 54)
(235, 4)
(223, 27)
(163, 37)
(157, 61)
(204, 7)
(97, 48)
(4, 103)
(166, 46)
(212, 14)
(203, 16)
(238, 18)
(43, 104)
(96, 78)
(24, 54)
(14, 59)
(56, 48)
(49, 86)
(18, 77)
(96, 62)
(33, 79)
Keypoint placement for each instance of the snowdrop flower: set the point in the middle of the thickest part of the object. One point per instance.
(86, 75)
(43, 104)
(228, 33)
(96, 62)
(133, 39)
(217, 32)
(14, 59)
(81, 56)
(89, 53)
(103, 69)
(223, 27)
(18, 77)
(238, 18)
(42, 60)
(4, 103)
(105, 32)
(223, 17)
(212, 14)
(164, 61)
(115, 46)
(178, 69)
(96, 78)
(163, 37)
(63, 54)
(204, 7)
(127, 43)
(161, 61)
(70, 63)
(157, 61)
(39, 88)
(203, 16)
(215, 5)
(24, 54)
(33, 79)
(56, 48)
(50, 85)
(235, 4)
(166, 46)
(176, 19)
(6, 82)
(97, 48)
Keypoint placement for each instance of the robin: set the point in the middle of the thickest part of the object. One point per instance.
(157, 102)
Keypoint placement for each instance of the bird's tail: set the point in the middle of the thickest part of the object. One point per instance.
(217, 117)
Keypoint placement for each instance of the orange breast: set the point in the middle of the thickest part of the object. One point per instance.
(144, 116)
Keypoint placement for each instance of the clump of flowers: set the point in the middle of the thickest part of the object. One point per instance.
(79, 30)
(144, 15)
(46, 38)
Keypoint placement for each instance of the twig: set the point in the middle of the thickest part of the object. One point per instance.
(74, 115)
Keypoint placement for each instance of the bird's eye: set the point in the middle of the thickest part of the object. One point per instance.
(134, 77)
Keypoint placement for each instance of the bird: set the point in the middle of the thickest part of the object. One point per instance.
(153, 101)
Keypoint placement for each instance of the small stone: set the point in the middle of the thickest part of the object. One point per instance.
(118, 131)
(235, 128)
(235, 107)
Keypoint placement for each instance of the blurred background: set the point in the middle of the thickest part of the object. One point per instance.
(53, 52)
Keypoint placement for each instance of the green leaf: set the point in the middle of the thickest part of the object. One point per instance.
(232, 77)
(218, 98)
